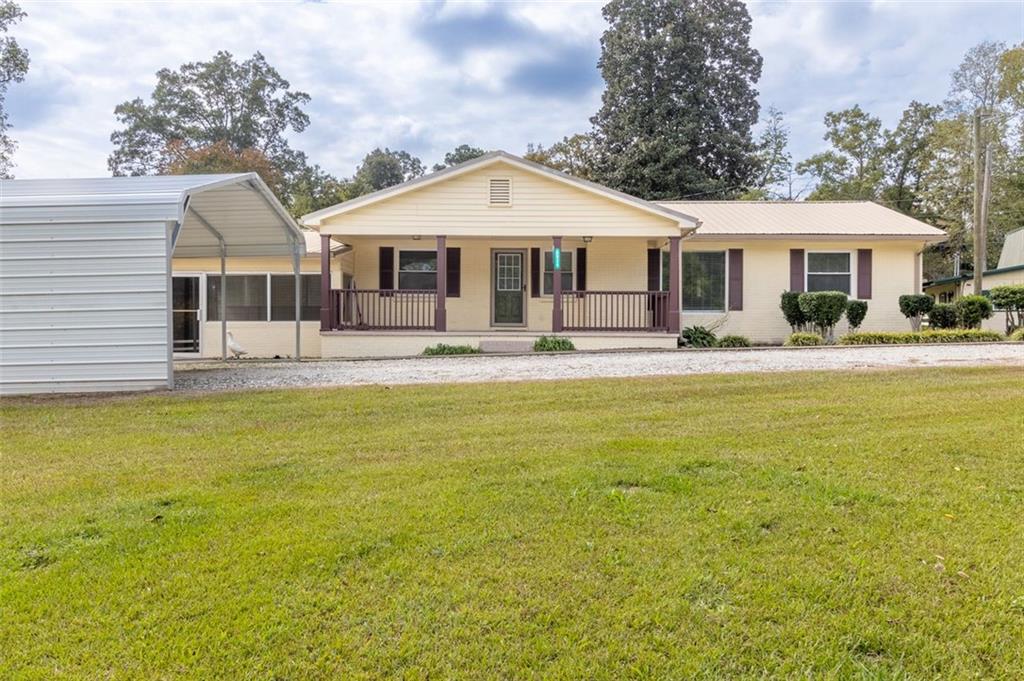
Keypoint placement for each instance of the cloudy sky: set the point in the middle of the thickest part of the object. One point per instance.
(428, 76)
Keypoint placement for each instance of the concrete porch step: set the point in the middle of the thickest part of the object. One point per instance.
(506, 345)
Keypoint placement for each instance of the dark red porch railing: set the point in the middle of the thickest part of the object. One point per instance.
(615, 311)
(367, 308)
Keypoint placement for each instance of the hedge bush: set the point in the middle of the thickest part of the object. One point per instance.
(903, 338)
(942, 316)
(1017, 335)
(823, 310)
(553, 344)
(1010, 298)
(443, 349)
(790, 306)
(734, 342)
(972, 310)
(698, 337)
(915, 306)
(856, 310)
(801, 339)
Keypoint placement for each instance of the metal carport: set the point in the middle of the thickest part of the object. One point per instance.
(85, 271)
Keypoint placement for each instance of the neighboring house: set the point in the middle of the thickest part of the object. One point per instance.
(501, 250)
(260, 304)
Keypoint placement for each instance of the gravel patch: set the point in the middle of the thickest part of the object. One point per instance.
(243, 375)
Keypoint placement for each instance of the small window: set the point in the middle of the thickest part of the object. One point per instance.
(282, 298)
(500, 191)
(417, 270)
(246, 299)
(828, 272)
(549, 272)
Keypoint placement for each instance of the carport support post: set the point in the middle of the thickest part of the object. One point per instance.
(325, 282)
(675, 281)
(298, 301)
(556, 284)
(440, 314)
(223, 301)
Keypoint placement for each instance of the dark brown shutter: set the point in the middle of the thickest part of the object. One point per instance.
(735, 278)
(864, 273)
(796, 269)
(581, 269)
(535, 273)
(653, 269)
(386, 268)
(454, 272)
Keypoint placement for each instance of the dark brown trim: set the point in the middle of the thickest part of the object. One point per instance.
(581, 269)
(386, 268)
(675, 281)
(796, 269)
(440, 313)
(535, 273)
(454, 272)
(325, 282)
(735, 278)
(653, 269)
(864, 273)
(556, 288)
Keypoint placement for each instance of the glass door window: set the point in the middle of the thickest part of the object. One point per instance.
(185, 313)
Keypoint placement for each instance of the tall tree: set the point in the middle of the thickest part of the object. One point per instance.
(907, 155)
(852, 168)
(459, 154)
(385, 168)
(679, 101)
(773, 167)
(13, 67)
(574, 155)
(241, 105)
(219, 157)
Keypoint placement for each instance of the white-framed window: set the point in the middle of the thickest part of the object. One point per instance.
(566, 269)
(417, 270)
(499, 191)
(263, 296)
(705, 278)
(829, 271)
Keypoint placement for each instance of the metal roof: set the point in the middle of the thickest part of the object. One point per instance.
(781, 219)
(1013, 249)
(238, 207)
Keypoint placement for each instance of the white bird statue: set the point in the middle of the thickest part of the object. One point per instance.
(236, 349)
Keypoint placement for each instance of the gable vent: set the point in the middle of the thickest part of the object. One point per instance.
(500, 191)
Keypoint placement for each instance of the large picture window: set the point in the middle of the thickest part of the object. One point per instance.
(703, 281)
(829, 272)
(282, 297)
(246, 298)
(549, 272)
(417, 270)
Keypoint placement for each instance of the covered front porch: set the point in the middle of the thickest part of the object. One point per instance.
(481, 287)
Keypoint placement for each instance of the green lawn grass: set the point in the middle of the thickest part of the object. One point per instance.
(825, 525)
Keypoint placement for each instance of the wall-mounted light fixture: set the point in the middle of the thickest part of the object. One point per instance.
(587, 239)
(416, 237)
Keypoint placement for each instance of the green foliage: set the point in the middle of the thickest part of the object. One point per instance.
(385, 168)
(734, 342)
(823, 310)
(790, 306)
(936, 336)
(802, 339)
(679, 101)
(1010, 299)
(942, 316)
(856, 310)
(697, 337)
(773, 164)
(553, 344)
(575, 155)
(914, 306)
(853, 168)
(444, 349)
(459, 154)
(971, 311)
(14, 64)
(1017, 335)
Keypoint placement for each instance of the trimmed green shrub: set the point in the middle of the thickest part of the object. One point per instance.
(1018, 334)
(823, 310)
(801, 339)
(442, 349)
(734, 342)
(938, 336)
(942, 316)
(972, 310)
(1010, 299)
(914, 306)
(553, 344)
(790, 306)
(698, 337)
(856, 310)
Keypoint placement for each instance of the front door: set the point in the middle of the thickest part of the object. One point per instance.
(185, 313)
(509, 289)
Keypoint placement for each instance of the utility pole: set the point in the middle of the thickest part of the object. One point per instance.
(976, 228)
(986, 190)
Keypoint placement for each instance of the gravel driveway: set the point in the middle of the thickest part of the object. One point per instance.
(250, 374)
